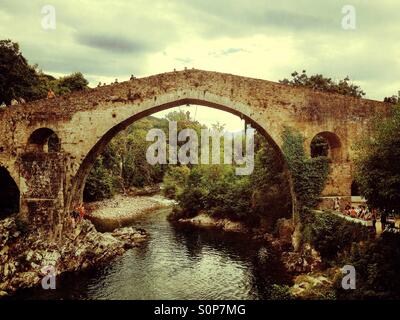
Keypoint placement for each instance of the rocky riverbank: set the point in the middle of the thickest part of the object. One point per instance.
(24, 252)
(123, 210)
(318, 285)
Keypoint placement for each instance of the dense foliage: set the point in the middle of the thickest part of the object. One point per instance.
(123, 165)
(376, 260)
(61, 86)
(271, 195)
(261, 197)
(101, 182)
(264, 196)
(18, 79)
(308, 174)
(320, 83)
(214, 189)
(323, 234)
(378, 165)
(377, 263)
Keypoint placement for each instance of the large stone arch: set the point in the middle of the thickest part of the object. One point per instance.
(170, 101)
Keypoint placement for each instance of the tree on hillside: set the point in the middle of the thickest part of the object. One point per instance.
(17, 77)
(378, 165)
(320, 83)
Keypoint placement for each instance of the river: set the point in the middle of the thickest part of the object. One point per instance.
(177, 262)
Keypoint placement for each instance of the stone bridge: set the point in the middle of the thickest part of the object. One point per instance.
(48, 147)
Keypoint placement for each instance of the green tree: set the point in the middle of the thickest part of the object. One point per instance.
(175, 180)
(378, 165)
(17, 78)
(262, 197)
(73, 82)
(101, 182)
(377, 262)
(123, 164)
(320, 83)
(271, 198)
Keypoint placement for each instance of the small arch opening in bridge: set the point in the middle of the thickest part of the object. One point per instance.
(9, 194)
(326, 144)
(44, 140)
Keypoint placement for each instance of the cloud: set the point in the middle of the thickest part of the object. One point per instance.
(226, 52)
(264, 39)
(113, 43)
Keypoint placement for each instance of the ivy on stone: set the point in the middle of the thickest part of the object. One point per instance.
(308, 174)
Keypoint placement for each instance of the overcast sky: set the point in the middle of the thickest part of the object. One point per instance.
(266, 39)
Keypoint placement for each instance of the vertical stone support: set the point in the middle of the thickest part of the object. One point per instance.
(42, 200)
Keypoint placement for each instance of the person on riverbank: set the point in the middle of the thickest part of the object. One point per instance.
(361, 212)
(78, 214)
(365, 213)
(81, 211)
(74, 217)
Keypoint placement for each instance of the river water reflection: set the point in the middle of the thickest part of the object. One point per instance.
(177, 262)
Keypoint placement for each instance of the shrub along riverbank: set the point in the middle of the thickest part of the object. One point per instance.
(259, 199)
(341, 242)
